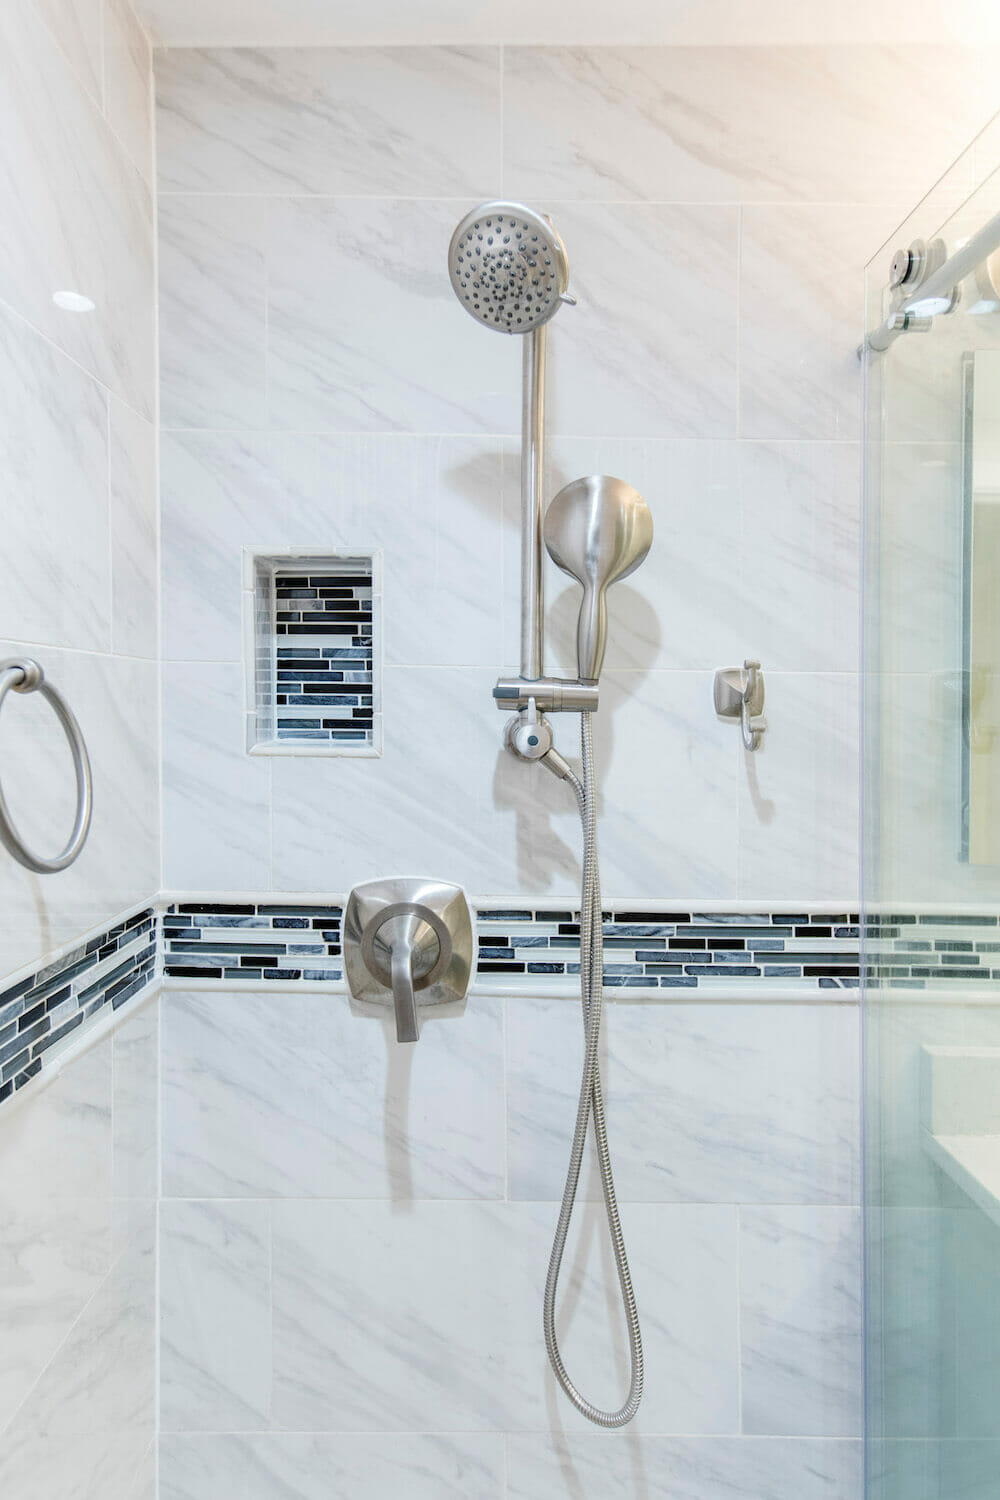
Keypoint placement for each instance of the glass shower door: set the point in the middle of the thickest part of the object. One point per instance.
(932, 866)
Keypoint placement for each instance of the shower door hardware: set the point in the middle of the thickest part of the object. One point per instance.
(26, 676)
(938, 289)
(739, 694)
(406, 937)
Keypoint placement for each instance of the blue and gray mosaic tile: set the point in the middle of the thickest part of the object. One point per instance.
(324, 663)
(257, 940)
(52, 1005)
(672, 949)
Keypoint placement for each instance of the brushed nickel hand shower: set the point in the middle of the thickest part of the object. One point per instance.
(510, 272)
(598, 530)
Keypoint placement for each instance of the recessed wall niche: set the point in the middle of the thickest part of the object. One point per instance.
(312, 624)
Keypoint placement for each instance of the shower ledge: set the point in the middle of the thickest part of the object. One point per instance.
(960, 1119)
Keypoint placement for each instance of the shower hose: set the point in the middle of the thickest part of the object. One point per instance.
(591, 1105)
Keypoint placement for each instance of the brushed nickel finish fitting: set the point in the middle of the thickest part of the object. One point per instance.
(509, 270)
(406, 937)
(25, 675)
(739, 695)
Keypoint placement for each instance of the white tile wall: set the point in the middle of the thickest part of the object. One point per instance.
(77, 1285)
(322, 386)
(310, 337)
(79, 580)
(354, 1241)
(422, 1466)
(79, 573)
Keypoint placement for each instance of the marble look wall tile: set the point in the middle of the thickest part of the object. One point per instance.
(433, 507)
(800, 1321)
(215, 796)
(144, 1481)
(296, 1096)
(215, 1310)
(460, 1329)
(666, 825)
(89, 1421)
(365, 809)
(800, 555)
(364, 331)
(116, 703)
(671, 612)
(136, 1108)
(144, 1485)
(799, 819)
(219, 490)
(683, 1263)
(422, 1332)
(706, 1103)
(666, 813)
(709, 124)
(76, 26)
(422, 1466)
(80, 219)
(135, 578)
(213, 311)
(54, 460)
(55, 1213)
(418, 121)
(128, 83)
(650, 350)
(602, 1467)
(801, 320)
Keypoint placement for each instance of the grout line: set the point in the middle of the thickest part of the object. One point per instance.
(26, 322)
(110, 485)
(502, 64)
(739, 1319)
(484, 435)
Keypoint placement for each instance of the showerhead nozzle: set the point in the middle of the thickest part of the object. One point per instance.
(598, 530)
(508, 266)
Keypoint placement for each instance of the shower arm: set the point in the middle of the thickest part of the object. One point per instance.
(532, 690)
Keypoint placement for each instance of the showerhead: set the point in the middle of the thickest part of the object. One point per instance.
(598, 530)
(508, 266)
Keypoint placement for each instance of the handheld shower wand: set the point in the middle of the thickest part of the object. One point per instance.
(509, 269)
(598, 530)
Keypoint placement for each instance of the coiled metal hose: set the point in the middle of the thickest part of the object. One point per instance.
(591, 1105)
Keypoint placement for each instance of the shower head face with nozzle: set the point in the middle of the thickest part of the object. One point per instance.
(508, 266)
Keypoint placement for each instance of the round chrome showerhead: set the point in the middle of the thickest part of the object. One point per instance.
(508, 266)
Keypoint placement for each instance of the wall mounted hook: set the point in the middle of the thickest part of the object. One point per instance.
(739, 694)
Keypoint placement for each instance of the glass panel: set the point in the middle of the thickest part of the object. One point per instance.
(932, 878)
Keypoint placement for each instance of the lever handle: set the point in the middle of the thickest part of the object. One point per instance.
(403, 992)
(406, 948)
(592, 632)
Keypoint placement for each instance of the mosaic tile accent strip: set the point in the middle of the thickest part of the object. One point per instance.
(656, 950)
(643, 950)
(259, 940)
(55, 1002)
(324, 670)
(931, 951)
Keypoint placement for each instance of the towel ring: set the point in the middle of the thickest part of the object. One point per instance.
(26, 676)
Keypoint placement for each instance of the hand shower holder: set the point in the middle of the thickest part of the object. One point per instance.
(550, 695)
(739, 694)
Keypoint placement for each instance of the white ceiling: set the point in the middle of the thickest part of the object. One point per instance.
(249, 23)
